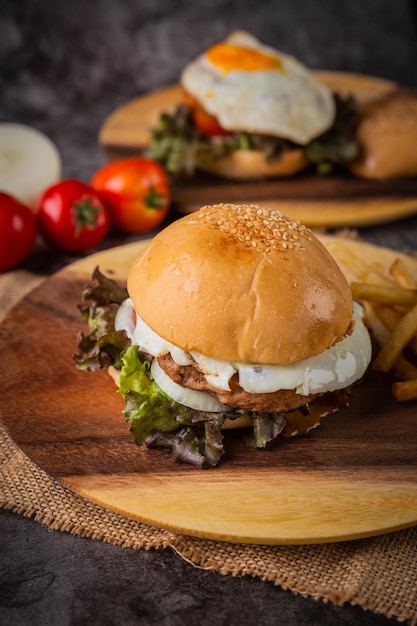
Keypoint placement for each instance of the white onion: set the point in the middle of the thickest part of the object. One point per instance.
(124, 318)
(29, 162)
(199, 400)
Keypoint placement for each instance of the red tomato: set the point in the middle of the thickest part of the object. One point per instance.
(137, 193)
(72, 217)
(205, 122)
(17, 231)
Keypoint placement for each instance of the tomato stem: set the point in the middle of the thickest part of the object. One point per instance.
(85, 214)
(155, 200)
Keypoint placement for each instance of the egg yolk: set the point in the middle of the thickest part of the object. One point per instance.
(229, 57)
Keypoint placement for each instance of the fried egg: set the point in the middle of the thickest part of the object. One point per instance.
(250, 87)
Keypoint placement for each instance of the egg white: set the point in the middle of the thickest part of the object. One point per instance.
(335, 368)
(288, 102)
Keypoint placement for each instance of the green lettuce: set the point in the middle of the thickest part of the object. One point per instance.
(181, 148)
(266, 428)
(157, 420)
(338, 146)
(103, 345)
(147, 406)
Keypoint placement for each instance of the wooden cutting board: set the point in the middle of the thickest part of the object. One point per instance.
(334, 201)
(354, 476)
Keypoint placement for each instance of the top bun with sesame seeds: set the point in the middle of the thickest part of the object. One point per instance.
(241, 283)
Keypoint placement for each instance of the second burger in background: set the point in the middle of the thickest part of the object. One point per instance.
(250, 111)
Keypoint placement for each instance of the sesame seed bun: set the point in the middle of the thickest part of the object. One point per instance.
(241, 283)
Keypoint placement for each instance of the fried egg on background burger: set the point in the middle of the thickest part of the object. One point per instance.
(250, 112)
(250, 87)
(234, 316)
(258, 109)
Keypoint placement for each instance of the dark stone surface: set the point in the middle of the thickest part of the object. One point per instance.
(64, 66)
(53, 579)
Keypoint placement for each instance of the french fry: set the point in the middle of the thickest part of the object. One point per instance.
(390, 317)
(389, 295)
(388, 314)
(397, 341)
(404, 370)
(362, 270)
(403, 391)
(378, 329)
(400, 272)
(396, 295)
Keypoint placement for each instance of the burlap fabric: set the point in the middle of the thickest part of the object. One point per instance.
(379, 574)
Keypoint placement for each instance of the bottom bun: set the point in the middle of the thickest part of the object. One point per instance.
(252, 165)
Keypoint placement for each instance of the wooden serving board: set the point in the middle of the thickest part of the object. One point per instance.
(334, 201)
(354, 476)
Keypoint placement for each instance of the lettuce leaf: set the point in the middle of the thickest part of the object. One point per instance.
(181, 148)
(338, 146)
(157, 420)
(184, 444)
(147, 407)
(105, 291)
(99, 352)
(266, 428)
(103, 345)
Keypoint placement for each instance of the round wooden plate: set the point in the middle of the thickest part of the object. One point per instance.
(354, 476)
(334, 201)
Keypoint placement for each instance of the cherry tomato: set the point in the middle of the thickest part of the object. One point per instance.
(72, 217)
(137, 193)
(17, 231)
(205, 122)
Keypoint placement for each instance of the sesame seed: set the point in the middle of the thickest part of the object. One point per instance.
(254, 226)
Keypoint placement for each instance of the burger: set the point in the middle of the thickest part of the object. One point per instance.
(234, 316)
(249, 111)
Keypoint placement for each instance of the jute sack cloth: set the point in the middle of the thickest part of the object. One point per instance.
(378, 574)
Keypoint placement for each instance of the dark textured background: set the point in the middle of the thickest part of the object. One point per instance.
(65, 66)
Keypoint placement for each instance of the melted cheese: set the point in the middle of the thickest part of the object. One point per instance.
(335, 368)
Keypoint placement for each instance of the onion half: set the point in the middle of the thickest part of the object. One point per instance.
(29, 162)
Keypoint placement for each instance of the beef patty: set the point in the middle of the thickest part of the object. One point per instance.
(276, 402)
